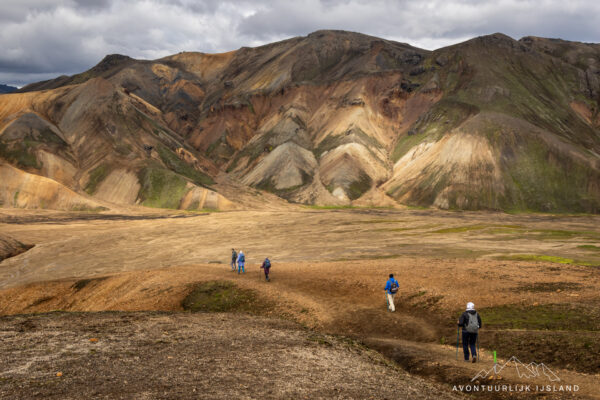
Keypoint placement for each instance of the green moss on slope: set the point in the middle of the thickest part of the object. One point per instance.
(360, 186)
(161, 188)
(175, 164)
(539, 179)
(97, 175)
(20, 153)
(444, 116)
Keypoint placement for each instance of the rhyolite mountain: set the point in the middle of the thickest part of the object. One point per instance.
(331, 118)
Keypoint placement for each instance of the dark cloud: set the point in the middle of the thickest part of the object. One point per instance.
(40, 38)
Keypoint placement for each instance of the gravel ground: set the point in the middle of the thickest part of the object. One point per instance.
(184, 355)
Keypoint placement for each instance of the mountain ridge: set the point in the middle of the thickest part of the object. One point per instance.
(7, 89)
(490, 123)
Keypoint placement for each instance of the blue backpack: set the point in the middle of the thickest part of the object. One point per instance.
(242, 258)
(267, 263)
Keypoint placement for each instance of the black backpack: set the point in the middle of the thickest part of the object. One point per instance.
(394, 287)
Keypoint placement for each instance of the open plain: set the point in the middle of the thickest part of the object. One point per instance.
(319, 327)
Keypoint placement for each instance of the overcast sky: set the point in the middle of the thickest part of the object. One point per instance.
(42, 39)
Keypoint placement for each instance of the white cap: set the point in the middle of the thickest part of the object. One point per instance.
(470, 306)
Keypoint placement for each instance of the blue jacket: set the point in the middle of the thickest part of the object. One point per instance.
(388, 285)
(241, 258)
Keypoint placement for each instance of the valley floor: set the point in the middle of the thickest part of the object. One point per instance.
(533, 278)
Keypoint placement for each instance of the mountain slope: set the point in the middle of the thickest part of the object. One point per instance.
(331, 118)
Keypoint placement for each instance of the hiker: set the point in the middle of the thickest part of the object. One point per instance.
(470, 322)
(266, 265)
(241, 260)
(391, 288)
(233, 260)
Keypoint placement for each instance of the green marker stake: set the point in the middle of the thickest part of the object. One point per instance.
(495, 364)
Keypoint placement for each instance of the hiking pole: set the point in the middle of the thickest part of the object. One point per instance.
(457, 334)
(478, 352)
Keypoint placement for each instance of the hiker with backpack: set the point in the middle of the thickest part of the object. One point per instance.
(470, 322)
(266, 265)
(233, 260)
(391, 288)
(241, 260)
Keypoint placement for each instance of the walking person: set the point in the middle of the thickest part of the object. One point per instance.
(241, 260)
(233, 260)
(391, 288)
(266, 265)
(470, 322)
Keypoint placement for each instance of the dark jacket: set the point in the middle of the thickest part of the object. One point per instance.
(464, 319)
(264, 265)
(233, 256)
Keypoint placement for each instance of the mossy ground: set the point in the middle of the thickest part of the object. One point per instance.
(556, 334)
(542, 317)
(552, 259)
(161, 187)
(223, 296)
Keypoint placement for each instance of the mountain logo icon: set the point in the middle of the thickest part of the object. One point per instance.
(527, 371)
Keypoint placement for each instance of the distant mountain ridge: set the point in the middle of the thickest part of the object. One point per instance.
(332, 118)
(7, 89)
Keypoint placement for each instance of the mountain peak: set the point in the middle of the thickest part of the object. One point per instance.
(112, 60)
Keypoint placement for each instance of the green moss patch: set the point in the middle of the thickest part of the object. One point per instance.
(161, 188)
(223, 296)
(542, 317)
(552, 259)
(360, 186)
(97, 175)
(460, 229)
(589, 247)
(20, 153)
(177, 165)
(538, 178)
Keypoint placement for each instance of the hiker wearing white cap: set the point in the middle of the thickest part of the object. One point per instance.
(470, 322)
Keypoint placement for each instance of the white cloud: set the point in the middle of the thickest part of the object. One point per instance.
(49, 38)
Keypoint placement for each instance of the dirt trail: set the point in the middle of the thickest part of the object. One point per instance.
(441, 365)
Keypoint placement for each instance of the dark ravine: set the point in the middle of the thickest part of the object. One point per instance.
(10, 247)
(492, 123)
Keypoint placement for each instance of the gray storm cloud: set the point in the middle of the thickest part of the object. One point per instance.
(43, 39)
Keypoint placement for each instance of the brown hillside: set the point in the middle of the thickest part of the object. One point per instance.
(327, 119)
